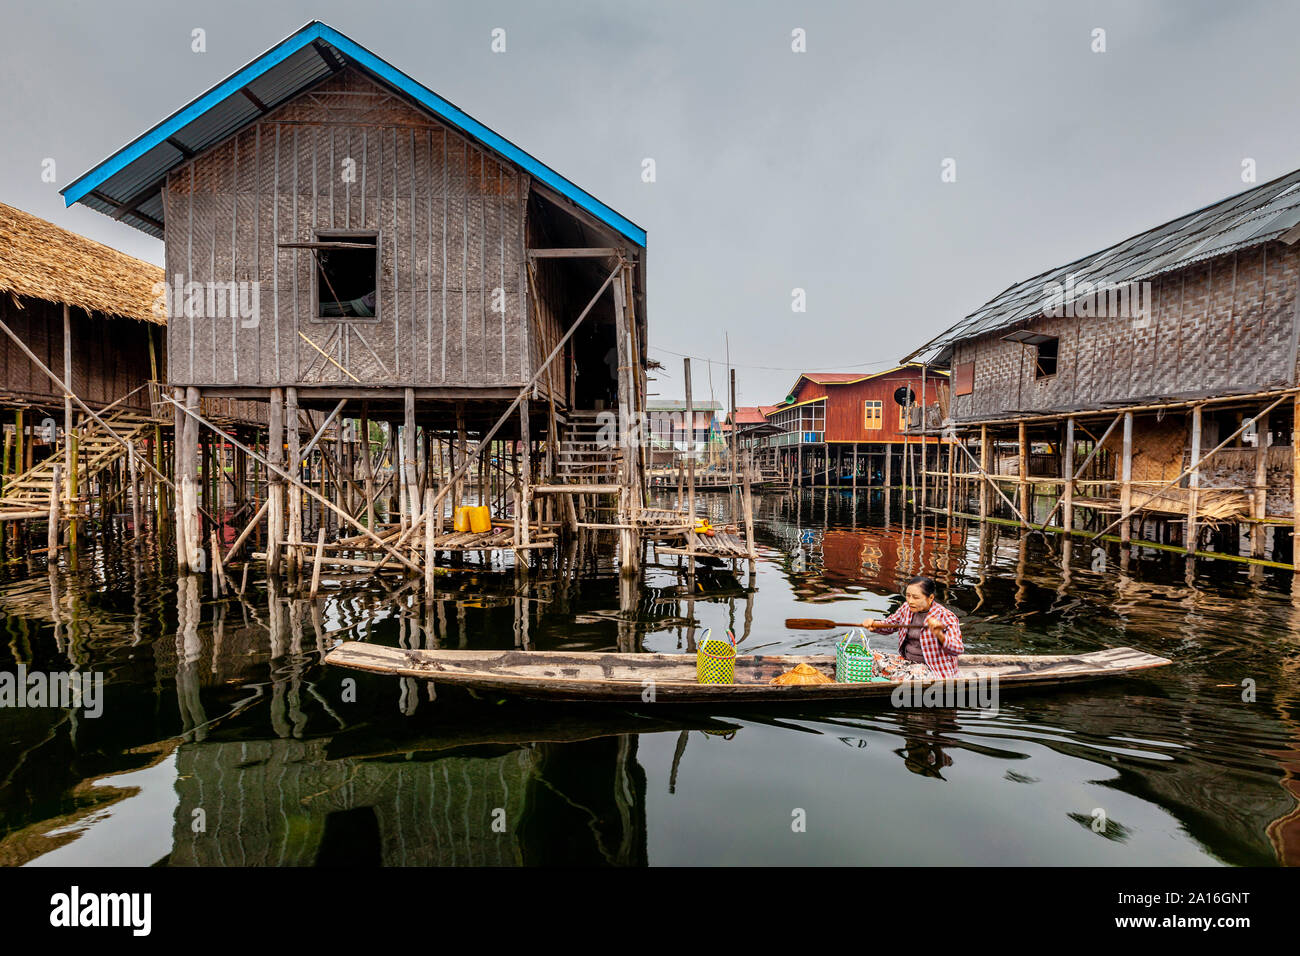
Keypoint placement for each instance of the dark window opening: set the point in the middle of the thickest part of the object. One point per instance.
(1046, 358)
(346, 276)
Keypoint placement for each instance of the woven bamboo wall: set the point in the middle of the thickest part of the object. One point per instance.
(451, 221)
(1158, 447)
(1218, 326)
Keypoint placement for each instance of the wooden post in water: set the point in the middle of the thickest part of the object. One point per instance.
(294, 467)
(526, 486)
(984, 468)
(52, 537)
(950, 451)
(367, 465)
(1126, 473)
(135, 496)
(430, 555)
(889, 467)
(275, 489)
(1259, 501)
(1022, 467)
(1193, 480)
(1067, 472)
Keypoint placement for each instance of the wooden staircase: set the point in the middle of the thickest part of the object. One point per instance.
(28, 495)
(581, 456)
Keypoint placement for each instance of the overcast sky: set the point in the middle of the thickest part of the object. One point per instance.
(775, 170)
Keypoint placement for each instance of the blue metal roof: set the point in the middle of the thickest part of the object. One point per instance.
(273, 78)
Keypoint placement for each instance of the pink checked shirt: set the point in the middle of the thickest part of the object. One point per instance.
(940, 658)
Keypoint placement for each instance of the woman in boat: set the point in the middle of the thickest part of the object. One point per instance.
(933, 641)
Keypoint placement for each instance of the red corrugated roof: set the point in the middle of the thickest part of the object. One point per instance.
(749, 415)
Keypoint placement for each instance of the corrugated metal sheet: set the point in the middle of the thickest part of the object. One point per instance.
(1239, 222)
(287, 69)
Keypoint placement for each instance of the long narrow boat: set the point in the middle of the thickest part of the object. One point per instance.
(578, 676)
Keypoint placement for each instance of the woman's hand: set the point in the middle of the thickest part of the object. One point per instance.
(936, 629)
(870, 624)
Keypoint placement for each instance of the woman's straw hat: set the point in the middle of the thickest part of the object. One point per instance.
(802, 674)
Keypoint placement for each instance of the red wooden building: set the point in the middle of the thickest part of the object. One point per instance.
(851, 429)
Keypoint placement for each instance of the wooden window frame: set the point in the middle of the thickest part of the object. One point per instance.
(873, 405)
(325, 235)
(1039, 374)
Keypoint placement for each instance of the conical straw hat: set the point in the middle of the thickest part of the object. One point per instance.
(802, 674)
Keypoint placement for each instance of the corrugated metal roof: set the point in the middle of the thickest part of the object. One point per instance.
(137, 170)
(1248, 219)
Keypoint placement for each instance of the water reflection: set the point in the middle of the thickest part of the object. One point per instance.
(224, 741)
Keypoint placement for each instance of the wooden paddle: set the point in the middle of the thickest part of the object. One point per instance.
(816, 624)
(822, 624)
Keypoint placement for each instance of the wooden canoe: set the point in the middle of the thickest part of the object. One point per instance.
(583, 676)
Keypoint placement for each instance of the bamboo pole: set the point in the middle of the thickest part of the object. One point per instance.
(315, 570)
(307, 449)
(52, 536)
(1206, 457)
(430, 555)
(1022, 469)
(983, 466)
(528, 387)
(989, 483)
(284, 476)
(294, 463)
(1067, 470)
(1259, 500)
(1126, 479)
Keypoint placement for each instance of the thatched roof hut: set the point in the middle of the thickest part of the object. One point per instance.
(42, 261)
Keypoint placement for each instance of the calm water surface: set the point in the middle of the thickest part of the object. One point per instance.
(223, 740)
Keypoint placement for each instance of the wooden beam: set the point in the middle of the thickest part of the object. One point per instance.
(575, 253)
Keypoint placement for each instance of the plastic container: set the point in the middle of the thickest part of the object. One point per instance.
(460, 520)
(480, 519)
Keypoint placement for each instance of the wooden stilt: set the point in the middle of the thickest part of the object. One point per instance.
(526, 486)
(412, 502)
(950, 485)
(52, 542)
(1067, 472)
(293, 465)
(1193, 480)
(1022, 469)
(315, 569)
(984, 468)
(430, 555)
(1259, 500)
(367, 465)
(275, 489)
(1126, 475)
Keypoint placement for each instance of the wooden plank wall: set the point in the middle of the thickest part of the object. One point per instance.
(110, 356)
(451, 222)
(845, 409)
(1224, 325)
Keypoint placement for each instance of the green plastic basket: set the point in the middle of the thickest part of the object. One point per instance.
(853, 659)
